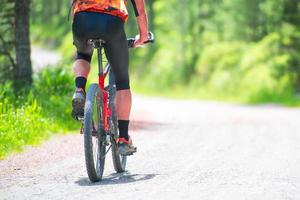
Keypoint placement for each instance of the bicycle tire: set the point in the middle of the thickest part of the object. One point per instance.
(94, 163)
(119, 161)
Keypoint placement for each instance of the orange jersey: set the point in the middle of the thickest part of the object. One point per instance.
(112, 7)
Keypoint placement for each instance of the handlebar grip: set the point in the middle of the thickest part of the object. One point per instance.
(131, 41)
(151, 38)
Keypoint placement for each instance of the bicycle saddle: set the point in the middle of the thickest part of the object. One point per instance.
(97, 43)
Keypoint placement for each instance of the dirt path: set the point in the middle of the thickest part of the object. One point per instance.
(186, 150)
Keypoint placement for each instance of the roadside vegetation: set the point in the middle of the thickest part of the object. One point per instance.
(35, 113)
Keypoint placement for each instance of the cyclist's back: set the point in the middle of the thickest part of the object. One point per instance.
(115, 7)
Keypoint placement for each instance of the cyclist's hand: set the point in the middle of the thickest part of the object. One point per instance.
(140, 40)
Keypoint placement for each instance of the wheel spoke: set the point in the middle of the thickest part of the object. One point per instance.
(106, 152)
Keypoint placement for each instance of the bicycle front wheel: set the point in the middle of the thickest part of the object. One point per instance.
(94, 134)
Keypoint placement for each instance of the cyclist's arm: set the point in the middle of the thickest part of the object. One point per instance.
(142, 21)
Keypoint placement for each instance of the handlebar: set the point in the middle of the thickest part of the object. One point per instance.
(131, 41)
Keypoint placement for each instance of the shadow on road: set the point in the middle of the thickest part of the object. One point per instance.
(115, 178)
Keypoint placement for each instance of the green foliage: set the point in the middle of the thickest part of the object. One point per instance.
(67, 48)
(255, 72)
(44, 110)
(238, 50)
(214, 48)
(53, 89)
(50, 21)
(21, 126)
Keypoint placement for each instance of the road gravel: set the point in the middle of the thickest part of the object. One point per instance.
(186, 150)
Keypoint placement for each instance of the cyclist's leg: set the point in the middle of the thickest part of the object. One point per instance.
(81, 32)
(81, 70)
(117, 53)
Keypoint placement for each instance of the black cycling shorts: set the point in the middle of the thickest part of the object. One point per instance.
(94, 25)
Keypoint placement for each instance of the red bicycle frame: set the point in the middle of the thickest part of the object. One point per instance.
(101, 81)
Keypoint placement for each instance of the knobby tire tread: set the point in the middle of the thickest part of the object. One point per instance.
(88, 128)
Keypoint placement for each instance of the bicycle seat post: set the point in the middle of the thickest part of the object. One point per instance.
(98, 44)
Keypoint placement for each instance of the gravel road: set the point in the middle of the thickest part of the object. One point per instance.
(186, 150)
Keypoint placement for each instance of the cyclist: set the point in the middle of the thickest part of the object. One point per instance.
(105, 19)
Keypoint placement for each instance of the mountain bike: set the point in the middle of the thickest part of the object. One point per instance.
(100, 124)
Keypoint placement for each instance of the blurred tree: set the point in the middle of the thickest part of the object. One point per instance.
(7, 55)
(15, 63)
(22, 70)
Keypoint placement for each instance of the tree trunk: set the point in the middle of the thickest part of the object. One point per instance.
(23, 69)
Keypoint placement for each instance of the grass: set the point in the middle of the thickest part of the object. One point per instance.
(37, 113)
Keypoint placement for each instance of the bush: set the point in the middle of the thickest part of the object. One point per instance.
(218, 66)
(253, 72)
(27, 120)
(53, 89)
(21, 126)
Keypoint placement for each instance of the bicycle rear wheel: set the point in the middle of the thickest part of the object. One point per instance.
(94, 134)
(119, 160)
